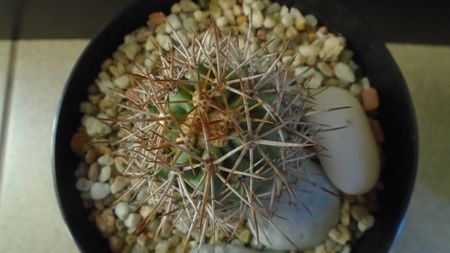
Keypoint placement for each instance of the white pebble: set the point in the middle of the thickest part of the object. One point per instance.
(130, 50)
(162, 247)
(343, 72)
(366, 223)
(215, 10)
(331, 49)
(287, 20)
(121, 210)
(199, 15)
(221, 21)
(83, 184)
(304, 71)
(122, 82)
(105, 86)
(190, 25)
(118, 184)
(325, 69)
(145, 210)
(173, 23)
(291, 32)
(311, 20)
(138, 248)
(99, 190)
(296, 14)
(132, 220)
(274, 7)
(257, 19)
(246, 9)
(257, 5)
(116, 70)
(316, 81)
(307, 50)
(227, 4)
(356, 89)
(95, 127)
(105, 160)
(269, 22)
(237, 10)
(87, 107)
(105, 174)
(164, 41)
(180, 37)
(176, 8)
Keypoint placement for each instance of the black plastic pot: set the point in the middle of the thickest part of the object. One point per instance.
(396, 115)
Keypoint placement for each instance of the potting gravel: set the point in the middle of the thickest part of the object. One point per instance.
(318, 56)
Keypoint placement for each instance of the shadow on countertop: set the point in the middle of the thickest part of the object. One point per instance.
(401, 21)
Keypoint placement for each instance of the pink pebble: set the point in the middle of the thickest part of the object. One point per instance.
(370, 99)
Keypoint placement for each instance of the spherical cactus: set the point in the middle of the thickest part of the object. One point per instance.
(211, 130)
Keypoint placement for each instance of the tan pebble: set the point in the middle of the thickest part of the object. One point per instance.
(300, 24)
(366, 223)
(359, 212)
(350, 199)
(106, 64)
(237, 10)
(142, 239)
(156, 18)
(261, 34)
(291, 32)
(279, 30)
(311, 37)
(150, 235)
(340, 234)
(323, 30)
(93, 171)
(77, 142)
(115, 244)
(370, 99)
(241, 20)
(377, 131)
(106, 224)
(91, 156)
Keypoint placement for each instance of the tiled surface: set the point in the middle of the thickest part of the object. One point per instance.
(29, 217)
(4, 62)
(426, 69)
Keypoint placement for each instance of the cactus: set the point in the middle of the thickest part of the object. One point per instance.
(210, 131)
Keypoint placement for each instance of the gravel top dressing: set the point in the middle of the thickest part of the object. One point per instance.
(230, 126)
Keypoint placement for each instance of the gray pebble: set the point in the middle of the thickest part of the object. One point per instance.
(99, 191)
(83, 184)
(105, 174)
(132, 220)
(343, 72)
(121, 210)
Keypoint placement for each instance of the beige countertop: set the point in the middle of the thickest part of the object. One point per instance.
(29, 217)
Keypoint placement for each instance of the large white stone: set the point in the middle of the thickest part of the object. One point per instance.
(349, 154)
(303, 222)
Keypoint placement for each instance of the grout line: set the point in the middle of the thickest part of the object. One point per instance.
(10, 73)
